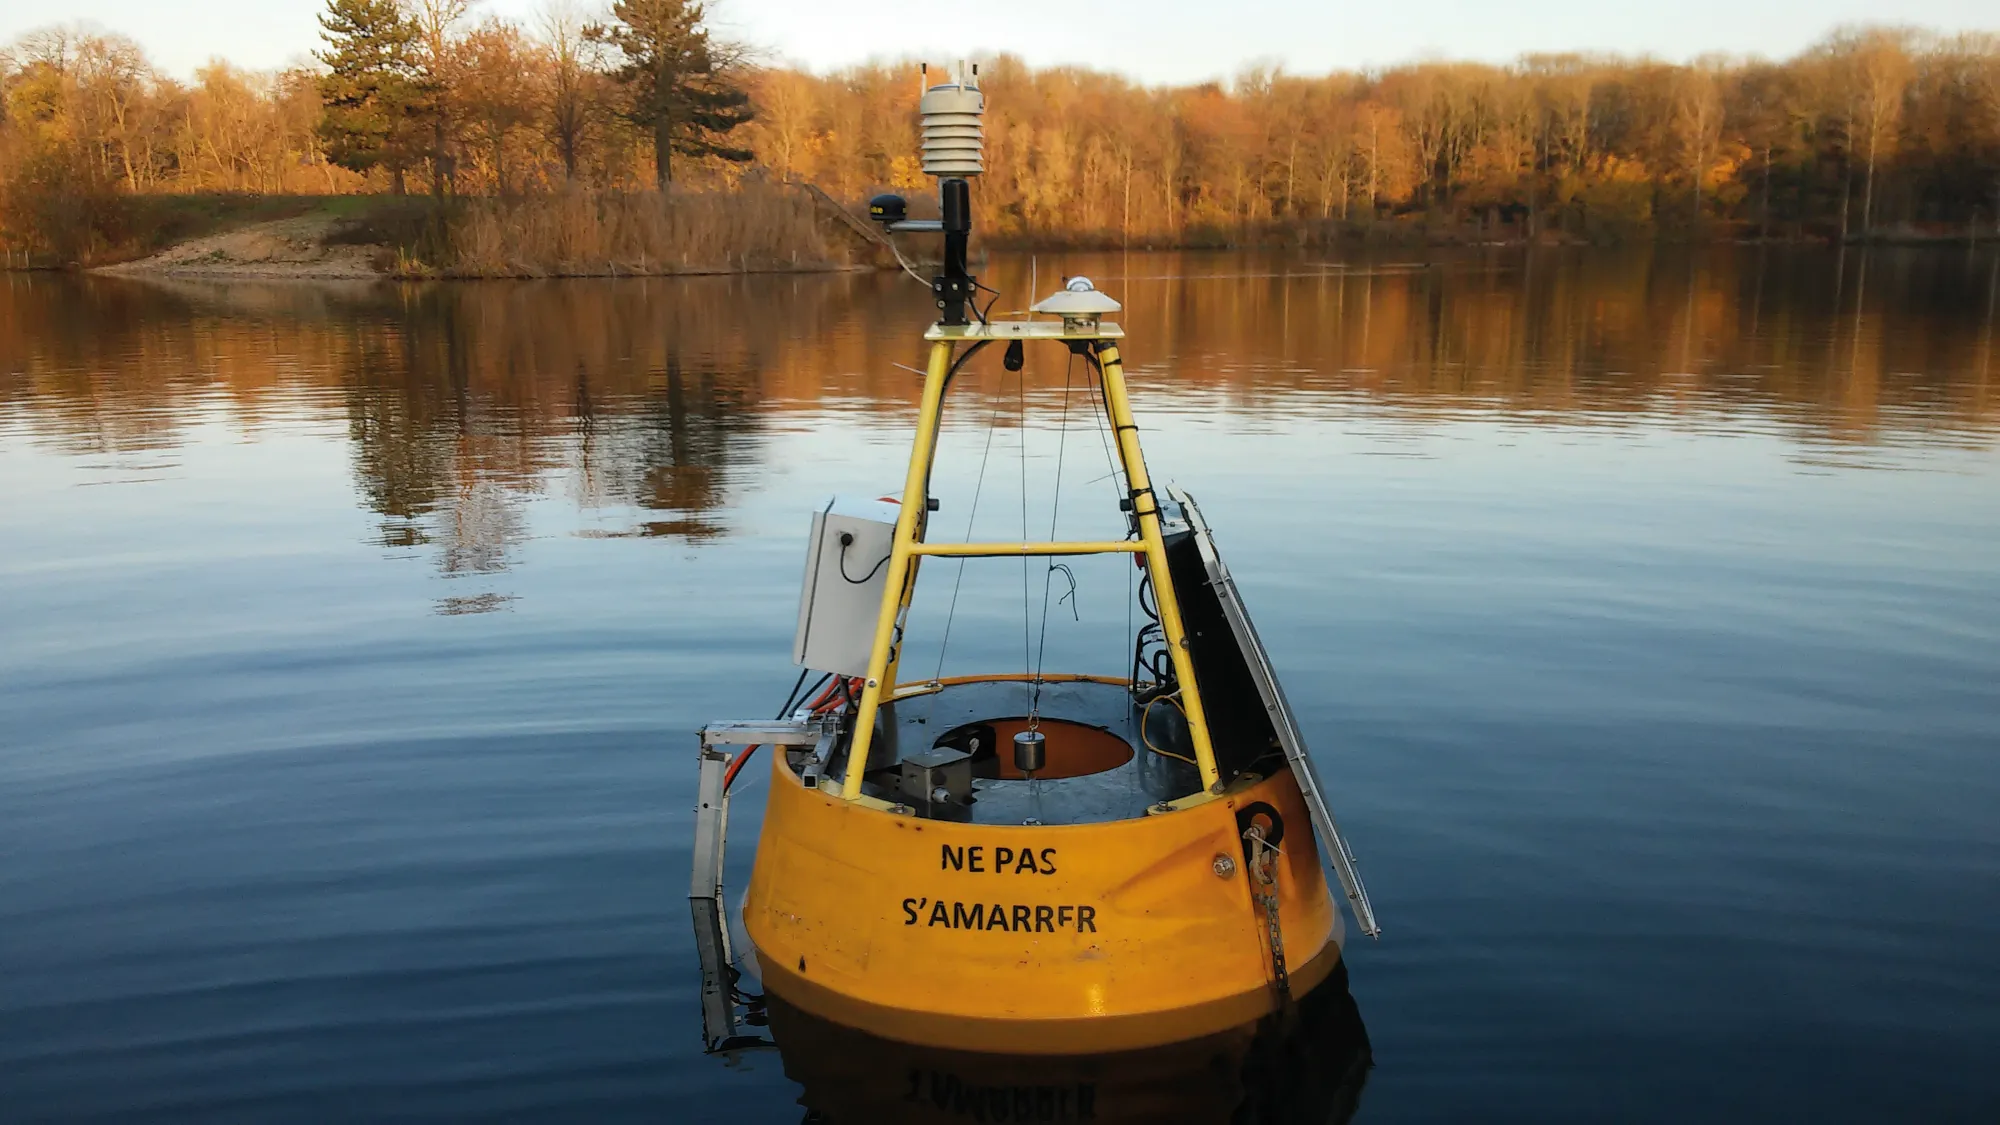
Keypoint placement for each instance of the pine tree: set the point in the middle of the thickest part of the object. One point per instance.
(373, 94)
(677, 80)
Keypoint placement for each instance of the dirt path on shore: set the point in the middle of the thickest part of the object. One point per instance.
(281, 248)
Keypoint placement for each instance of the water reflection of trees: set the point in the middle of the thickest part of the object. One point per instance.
(462, 402)
(648, 400)
(673, 452)
(1888, 345)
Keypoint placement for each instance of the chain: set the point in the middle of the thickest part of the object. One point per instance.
(1264, 888)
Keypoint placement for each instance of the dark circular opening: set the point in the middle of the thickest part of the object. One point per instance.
(1074, 749)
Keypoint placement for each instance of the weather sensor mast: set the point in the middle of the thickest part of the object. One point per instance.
(953, 140)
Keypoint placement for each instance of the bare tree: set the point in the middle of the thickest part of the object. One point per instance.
(570, 56)
(1882, 74)
(1698, 122)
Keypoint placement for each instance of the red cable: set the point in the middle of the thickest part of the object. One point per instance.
(729, 775)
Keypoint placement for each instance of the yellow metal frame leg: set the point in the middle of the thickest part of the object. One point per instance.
(902, 563)
(1146, 507)
(906, 551)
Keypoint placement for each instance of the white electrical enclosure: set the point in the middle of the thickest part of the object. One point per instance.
(846, 571)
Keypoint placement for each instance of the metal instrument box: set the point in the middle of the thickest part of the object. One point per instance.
(937, 779)
(846, 573)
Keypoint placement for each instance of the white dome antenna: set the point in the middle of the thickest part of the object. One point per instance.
(1079, 304)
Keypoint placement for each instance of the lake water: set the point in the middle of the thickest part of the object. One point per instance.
(1643, 611)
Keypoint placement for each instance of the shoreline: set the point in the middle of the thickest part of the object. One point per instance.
(320, 247)
(164, 266)
(761, 228)
(146, 268)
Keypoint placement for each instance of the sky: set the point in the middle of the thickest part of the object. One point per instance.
(1156, 41)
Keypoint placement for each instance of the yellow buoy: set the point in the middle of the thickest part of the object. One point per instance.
(1030, 862)
(1055, 938)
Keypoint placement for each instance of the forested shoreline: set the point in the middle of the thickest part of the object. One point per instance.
(619, 136)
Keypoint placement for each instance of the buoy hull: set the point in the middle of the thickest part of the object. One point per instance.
(1310, 1066)
(1033, 939)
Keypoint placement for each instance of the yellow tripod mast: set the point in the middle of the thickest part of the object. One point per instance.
(908, 547)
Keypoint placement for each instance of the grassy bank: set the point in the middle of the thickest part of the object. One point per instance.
(100, 229)
(1418, 230)
(758, 228)
(574, 233)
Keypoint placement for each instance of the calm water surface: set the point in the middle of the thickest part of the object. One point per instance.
(1643, 612)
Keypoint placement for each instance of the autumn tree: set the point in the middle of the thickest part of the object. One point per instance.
(787, 105)
(1983, 86)
(441, 80)
(1330, 148)
(677, 79)
(1881, 73)
(1764, 112)
(496, 91)
(1869, 128)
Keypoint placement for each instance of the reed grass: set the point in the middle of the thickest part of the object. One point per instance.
(579, 233)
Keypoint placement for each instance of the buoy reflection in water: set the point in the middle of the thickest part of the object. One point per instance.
(1306, 1065)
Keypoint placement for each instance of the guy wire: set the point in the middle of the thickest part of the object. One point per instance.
(978, 486)
(1027, 625)
(1103, 415)
(1055, 507)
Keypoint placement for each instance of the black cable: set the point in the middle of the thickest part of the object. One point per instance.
(791, 697)
(847, 541)
(1145, 587)
(1069, 597)
(1103, 401)
(1158, 662)
(952, 371)
(949, 374)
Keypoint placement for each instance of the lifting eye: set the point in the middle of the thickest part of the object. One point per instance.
(1263, 816)
(1014, 358)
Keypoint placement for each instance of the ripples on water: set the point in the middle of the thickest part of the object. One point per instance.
(1643, 612)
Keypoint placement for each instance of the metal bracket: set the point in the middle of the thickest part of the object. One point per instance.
(764, 732)
(720, 1018)
(711, 937)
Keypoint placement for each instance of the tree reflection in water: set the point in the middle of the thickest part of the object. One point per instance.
(648, 400)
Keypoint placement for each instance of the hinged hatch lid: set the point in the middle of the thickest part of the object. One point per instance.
(1282, 720)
